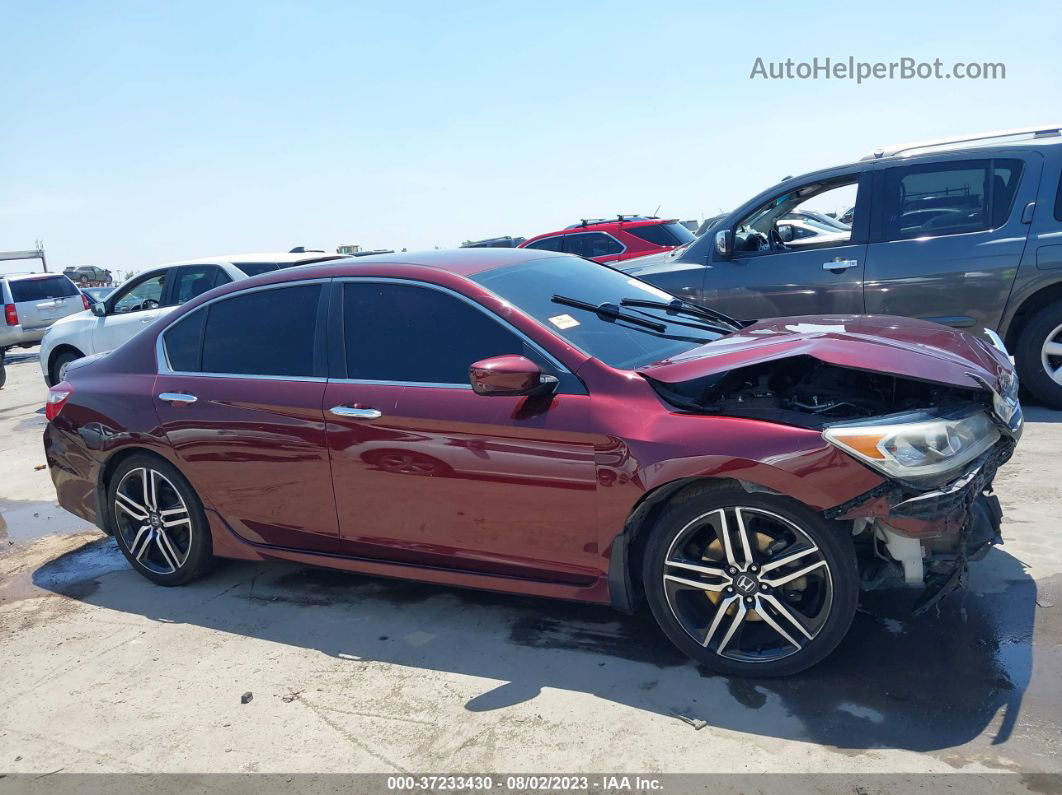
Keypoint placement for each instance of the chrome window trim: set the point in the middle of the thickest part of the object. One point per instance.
(423, 384)
(162, 359)
(550, 358)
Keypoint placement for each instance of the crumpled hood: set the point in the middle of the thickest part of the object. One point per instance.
(899, 346)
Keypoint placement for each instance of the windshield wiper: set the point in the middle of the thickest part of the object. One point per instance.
(609, 310)
(682, 306)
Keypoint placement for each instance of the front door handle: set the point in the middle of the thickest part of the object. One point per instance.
(357, 413)
(840, 264)
(179, 398)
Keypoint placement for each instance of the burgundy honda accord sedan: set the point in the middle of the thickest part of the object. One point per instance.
(536, 423)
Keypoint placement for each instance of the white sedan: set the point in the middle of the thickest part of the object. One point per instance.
(146, 297)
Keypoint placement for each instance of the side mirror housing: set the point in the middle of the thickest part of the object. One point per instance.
(99, 309)
(724, 243)
(509, 375)
(785, 232)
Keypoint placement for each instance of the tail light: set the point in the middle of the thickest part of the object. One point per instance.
(57, 397)
(84, 301)
(11, 314)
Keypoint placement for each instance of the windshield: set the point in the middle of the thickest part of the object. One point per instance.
(531, 286)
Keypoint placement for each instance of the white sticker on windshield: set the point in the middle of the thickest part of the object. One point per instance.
(564, 321)
(653, 291)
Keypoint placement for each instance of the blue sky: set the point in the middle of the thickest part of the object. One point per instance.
(138, 133)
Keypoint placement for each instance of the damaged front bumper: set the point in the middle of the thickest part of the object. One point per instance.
(928, 538)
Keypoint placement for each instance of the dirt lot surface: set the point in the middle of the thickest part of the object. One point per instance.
(100, 671)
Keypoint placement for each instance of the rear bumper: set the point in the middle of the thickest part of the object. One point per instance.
(16, 335)
(74, 472)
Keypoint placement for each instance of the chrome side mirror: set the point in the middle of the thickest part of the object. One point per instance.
(724, 243)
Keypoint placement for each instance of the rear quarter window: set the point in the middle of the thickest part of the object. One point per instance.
(1058, 202)
(41, 289)
(672, 234)
(255, 268)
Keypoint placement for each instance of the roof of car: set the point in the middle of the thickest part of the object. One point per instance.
(273, 256)
(461, 261)
(14, 277)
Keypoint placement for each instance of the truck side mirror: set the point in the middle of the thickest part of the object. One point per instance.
(724, 243)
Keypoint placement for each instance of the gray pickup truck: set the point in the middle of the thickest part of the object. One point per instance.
(965, 231)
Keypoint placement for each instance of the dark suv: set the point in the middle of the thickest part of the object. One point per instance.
(965, 231)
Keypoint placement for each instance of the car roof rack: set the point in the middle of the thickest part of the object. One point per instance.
(1047, 131)
(619, 218)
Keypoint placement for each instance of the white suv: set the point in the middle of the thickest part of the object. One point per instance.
(148, 296)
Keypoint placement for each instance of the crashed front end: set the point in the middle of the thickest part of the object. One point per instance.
(937, 445)
(909, 535)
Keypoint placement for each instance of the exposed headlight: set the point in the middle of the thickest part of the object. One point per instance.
(914, 450)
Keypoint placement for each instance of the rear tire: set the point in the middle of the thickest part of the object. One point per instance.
(158, 521)
(775, 600)
(1038, 355)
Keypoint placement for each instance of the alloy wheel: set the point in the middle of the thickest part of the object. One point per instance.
(153, 520)
(406, 464)
(1051, 355)
(747, 584)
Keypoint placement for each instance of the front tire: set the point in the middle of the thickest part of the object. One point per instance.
(750, 584)
(57, 371)
(1038, 356)
(158, 521)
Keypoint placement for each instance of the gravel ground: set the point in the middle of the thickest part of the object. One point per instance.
(104, 672)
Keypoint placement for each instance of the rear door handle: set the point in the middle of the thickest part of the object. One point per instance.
(358, 413)
(179, 398)
(840, 264)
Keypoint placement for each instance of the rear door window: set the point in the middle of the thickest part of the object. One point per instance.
(41, 289)
(951, 198)
(592, 244)
(184, 343)
(264, 332)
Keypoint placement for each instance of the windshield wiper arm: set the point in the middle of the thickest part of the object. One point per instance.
(609, 310)
(680, 305)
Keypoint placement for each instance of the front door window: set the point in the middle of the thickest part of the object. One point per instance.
(146, 294)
